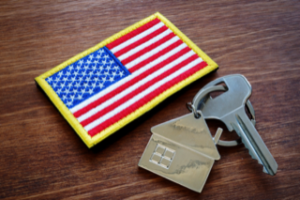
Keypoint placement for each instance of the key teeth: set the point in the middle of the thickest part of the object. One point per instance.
(251, 154)
(264, 170)
(254, 157)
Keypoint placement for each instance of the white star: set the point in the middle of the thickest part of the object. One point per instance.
(121, 73)
(111, 62)
(101, 51)
(75, 73)
(96, 79)
(67, 91)
(83, 73)
(101, 68)
(80, 62)
(60, 73)
(82, 91)
(86, 67)
(78, 67)
(108, 67)
(101, 85)
(62, 85)
(106, 56)
(80, 78)
(106, 72)
(72, 97)
(79, 97)
(85, 84)
(88, 79)
(103, 79)
(98, 73)
(57, 79)
(64, 97)
(94, 67)
(54, 84)
(58, 91)
(69, 103)
(114, 73)
(75, 91)
(65, 78)
(96, 61)
(98, 56)
(88, 62)
(116, 67)
(77, 84)
(111, 79)
(70, 85)
(73, 79)
(91, 57)
(68, 73)
(49, 79)
(103, 62)
(91, 73)
(94, 84)
(71, 67)
(90, 91)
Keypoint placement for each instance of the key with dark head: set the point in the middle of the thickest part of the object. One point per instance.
(229, 107)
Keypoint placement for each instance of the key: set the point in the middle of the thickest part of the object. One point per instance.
(229, 107)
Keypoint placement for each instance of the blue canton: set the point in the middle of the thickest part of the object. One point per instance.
(87, 76)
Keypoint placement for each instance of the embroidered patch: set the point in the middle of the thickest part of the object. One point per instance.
(104, 88)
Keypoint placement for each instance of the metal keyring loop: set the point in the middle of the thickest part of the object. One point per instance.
(203, 94)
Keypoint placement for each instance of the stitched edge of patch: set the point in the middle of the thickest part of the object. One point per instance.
(86, 138)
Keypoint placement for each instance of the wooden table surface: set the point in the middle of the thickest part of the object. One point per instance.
(41, 157)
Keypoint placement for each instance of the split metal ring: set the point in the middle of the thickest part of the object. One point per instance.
(203, 94)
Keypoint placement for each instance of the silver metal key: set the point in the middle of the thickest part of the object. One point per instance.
(229, 107)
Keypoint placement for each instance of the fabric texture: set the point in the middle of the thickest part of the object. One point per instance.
(104, 88)
(87, 77)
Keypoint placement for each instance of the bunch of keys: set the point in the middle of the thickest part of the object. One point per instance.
(183, 149)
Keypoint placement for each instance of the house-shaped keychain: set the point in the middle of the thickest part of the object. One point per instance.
(182, 150)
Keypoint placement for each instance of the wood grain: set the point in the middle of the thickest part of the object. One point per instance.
(43, 158)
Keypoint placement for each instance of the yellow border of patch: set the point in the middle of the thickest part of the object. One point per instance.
(91, 141)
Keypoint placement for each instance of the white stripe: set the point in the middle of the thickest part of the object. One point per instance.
(126, 79)
(137, 37)
(152, 52)
(144, 45)
(141, 95)
(134, 87)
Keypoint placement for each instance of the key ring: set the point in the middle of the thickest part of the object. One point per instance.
(200, 96)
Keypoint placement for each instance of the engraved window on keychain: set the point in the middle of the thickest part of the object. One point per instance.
(162, 156)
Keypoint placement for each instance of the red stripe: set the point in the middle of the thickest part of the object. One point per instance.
(129, 83)
(133, 33)
(145, 99)
(147, 49)
(141, 41)
(155, 56)
(138, 90)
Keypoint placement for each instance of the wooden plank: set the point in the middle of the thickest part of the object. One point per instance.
(43, 158)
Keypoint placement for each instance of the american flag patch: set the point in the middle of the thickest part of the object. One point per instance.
(104, 88)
